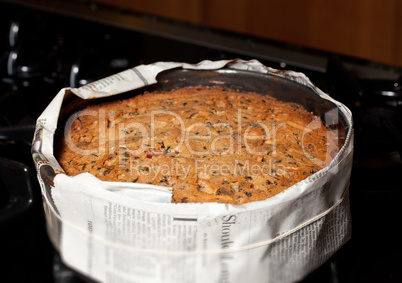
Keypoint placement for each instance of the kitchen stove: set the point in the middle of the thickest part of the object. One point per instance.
(44, 48)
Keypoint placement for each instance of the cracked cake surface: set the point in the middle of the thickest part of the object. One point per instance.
(209, 144)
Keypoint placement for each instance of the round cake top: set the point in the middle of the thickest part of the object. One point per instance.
(210, 144)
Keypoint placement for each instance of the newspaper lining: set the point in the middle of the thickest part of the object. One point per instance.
(114, 232)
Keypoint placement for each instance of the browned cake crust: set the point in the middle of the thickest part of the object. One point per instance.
(208, 144)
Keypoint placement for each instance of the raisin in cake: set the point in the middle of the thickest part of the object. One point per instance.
(209, 144)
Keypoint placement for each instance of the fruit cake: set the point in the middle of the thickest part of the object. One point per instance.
(209, 144)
